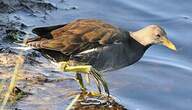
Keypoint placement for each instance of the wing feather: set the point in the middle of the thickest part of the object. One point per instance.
(78, 36)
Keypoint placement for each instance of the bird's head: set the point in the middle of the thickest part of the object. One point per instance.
(152, 34)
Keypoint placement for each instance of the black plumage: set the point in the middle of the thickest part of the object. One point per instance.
(88, 41)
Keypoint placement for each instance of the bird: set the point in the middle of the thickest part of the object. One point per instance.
(92, 45)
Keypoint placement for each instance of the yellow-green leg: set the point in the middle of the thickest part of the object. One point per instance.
(86, 69)
(79, 79)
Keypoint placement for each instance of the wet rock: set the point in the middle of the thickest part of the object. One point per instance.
(12, 31)
(13, 35)
(31, 6)
(99, 102)
(8, 60)
(16, 94)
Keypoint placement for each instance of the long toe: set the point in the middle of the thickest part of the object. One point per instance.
(99, 80)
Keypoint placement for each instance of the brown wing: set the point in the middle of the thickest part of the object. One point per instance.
(45, 32)
(79, 35)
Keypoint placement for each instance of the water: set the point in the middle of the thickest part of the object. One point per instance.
(162, 79)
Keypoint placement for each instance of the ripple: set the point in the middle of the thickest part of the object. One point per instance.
(164, 61)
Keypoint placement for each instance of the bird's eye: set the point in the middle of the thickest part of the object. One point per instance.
(158, 35)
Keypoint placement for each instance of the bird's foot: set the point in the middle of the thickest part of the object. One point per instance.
(87, 94)
(88, 70)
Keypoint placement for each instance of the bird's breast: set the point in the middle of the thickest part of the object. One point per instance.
(109, 57)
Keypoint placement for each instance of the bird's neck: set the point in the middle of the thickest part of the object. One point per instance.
(138, 36)
(138, 42)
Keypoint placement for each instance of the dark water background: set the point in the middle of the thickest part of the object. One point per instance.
(162, 79)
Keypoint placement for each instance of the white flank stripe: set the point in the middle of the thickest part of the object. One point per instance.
(88, 51)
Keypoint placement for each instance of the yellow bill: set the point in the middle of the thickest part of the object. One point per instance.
(168, 44)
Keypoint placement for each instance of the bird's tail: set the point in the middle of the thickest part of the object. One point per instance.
(34, 44)
(26, 44)
(21, 46)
